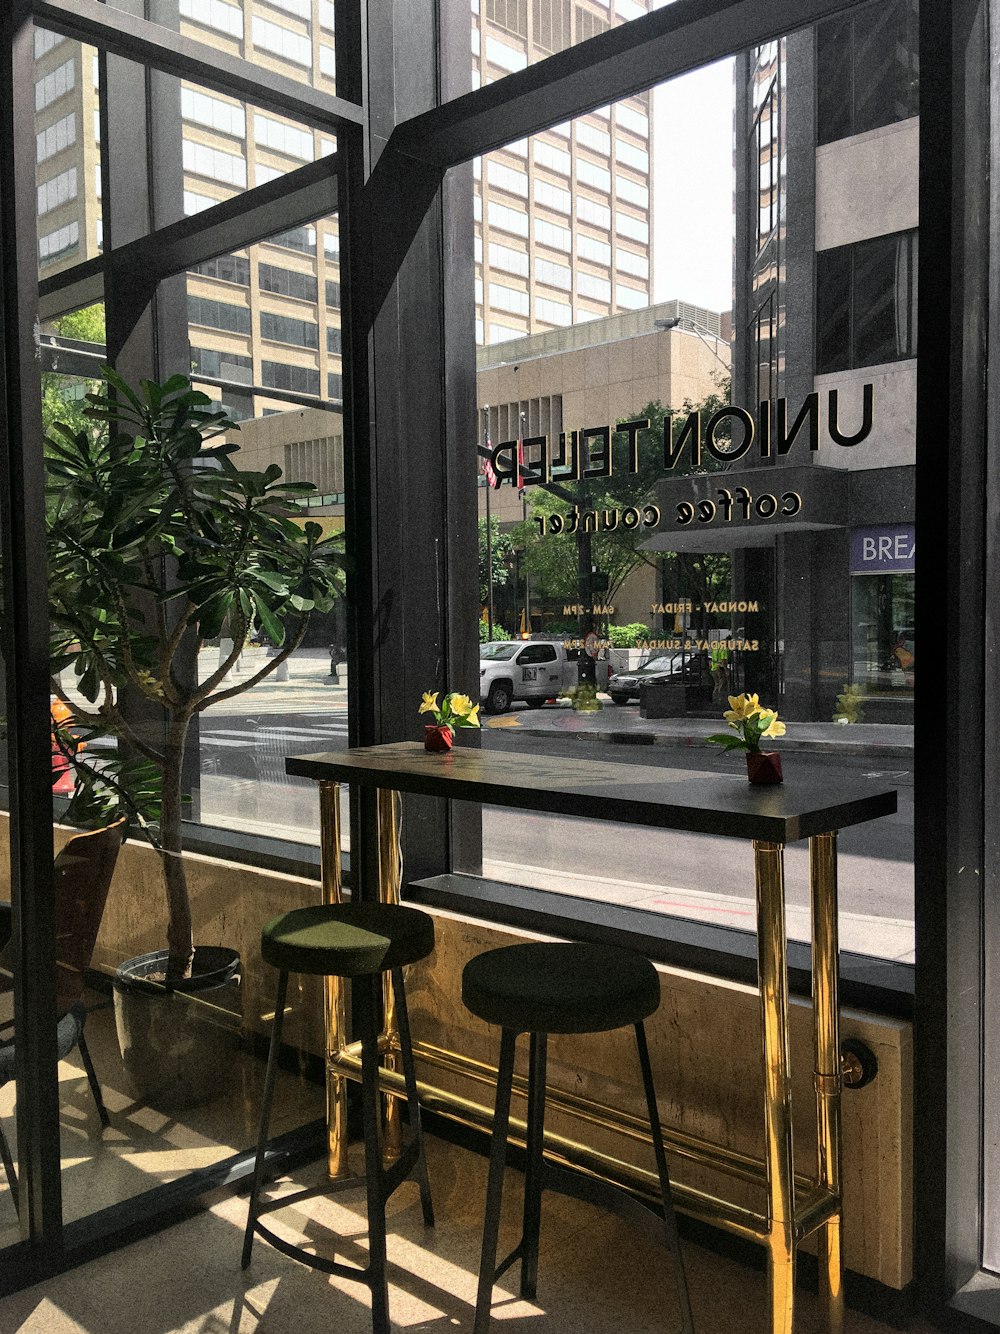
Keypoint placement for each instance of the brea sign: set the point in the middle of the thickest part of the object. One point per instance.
(586, 453)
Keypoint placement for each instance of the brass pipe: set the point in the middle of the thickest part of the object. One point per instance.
(815, 1211)
(334, 1008)
(390, 881)
(773, 983)
(825, 951)
(743, 1222)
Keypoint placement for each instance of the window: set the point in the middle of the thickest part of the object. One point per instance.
(552, 312)
(218, 315)
(294, 379)
(287, 282)
(227, 268)
(283, 138)
(630, 262)
(55, 85)
(55, 138)
(626, 225)
(535, 653)
(509, 299)
(503, 333)
(283, 329)
(214, 163)
(599, 289)
(548, 233)
(197, 203)
(506, 178)
(59, 190)
(547, 155)
(883, 655)
(56, 244)
(297, 238)
(507, 57)
(222, 365)
(629, 299)
(334, 339)
(217, 14)
(508, 219)
(203, 109)
(866, 303)
(300, 8)
(631, 192)
(332, 293)
(556, 275)
(335, 385)
(629, 119)
(870, 69)
(327, 15)
(588, 211)
(592, 137)
(590, 174)
(45, 40)
(598, 252)
(551, 24)
(631, 156)
(552, 196)
(281, 41)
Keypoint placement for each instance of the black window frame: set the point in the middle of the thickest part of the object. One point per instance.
(838, 280)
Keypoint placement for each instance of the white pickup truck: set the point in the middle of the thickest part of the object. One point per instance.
(533, 670)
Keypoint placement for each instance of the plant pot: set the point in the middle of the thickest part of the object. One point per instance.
(439, 737)
(764, 766)
(178, 1041)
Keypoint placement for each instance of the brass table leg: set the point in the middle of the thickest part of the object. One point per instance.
(825, 950)
(335, 1025)
(773, 982)
(390, 880)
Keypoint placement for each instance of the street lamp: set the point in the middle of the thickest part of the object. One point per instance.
(690, 326)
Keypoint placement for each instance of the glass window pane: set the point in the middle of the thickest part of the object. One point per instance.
(67, 152)
(698, 553)
(509, 35)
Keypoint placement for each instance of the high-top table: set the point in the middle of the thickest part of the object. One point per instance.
(666, 799)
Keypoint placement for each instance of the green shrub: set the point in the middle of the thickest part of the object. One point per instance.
(498, 632)
(627, 636)
(850, 703)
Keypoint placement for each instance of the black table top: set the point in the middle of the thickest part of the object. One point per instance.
(625, 793)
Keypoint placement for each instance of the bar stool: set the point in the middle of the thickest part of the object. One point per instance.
(361, 941)
(540, 988)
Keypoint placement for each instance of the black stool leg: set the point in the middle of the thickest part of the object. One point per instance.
(95, 1087)
(265, 1115)
(669, 1217)
(365, 1010)
(494, 1189)
(413, 1106)
(533, 1167)
(8, 1167)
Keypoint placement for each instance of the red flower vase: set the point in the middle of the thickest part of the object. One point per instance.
(763, 766)
(438, 737)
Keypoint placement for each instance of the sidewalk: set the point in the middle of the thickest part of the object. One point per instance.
(624, 726)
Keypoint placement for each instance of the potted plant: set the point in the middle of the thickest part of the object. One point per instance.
(158, 543)
(455, 710)
(752, 721)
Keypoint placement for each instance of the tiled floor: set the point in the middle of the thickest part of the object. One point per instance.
(596, 1275)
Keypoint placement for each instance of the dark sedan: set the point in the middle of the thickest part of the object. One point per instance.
(681, 668)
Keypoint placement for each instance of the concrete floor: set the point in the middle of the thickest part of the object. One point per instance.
(596, 1275)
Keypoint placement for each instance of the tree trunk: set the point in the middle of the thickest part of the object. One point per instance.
(180, 936)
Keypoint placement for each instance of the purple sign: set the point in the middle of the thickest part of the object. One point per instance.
(888, 548)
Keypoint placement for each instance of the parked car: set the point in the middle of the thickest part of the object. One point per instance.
(532, 670)
(681, 668)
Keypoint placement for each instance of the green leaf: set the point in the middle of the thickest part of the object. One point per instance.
(270, 624)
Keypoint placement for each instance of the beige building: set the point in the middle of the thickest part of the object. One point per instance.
(598, 373)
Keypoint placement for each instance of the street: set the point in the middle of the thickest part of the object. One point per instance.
(244, 786)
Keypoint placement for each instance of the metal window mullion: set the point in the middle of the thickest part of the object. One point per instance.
(26, 647)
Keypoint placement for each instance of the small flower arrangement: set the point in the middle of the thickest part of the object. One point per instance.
(455, 710)
(751, 721)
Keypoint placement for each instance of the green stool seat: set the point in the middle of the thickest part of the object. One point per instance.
(347, 939)
(560, 987)
(363, 942)
(545, 987)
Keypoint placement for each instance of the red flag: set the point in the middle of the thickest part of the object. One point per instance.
(489, 474)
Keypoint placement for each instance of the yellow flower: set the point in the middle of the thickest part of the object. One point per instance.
(472, 717)
(774, 728)
(741, 707)
(430, 704)
(461, 705)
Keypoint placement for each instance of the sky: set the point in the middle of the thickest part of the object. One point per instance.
(693, 188)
